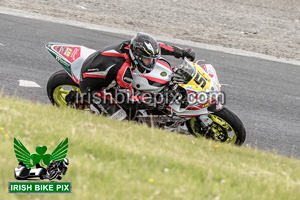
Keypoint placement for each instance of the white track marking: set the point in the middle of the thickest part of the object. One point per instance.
(293, 97)
(21, 13)
(24, 83)
(82, 7)
(1, 44)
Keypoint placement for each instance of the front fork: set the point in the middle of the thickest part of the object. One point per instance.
(203, 126)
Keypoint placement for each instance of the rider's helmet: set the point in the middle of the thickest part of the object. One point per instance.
(144, 51)
(66, 162)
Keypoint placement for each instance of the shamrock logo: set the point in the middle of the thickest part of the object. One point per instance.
(36, 158)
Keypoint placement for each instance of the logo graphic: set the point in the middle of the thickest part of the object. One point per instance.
(163, 74)
(47, 166)
(62, 62)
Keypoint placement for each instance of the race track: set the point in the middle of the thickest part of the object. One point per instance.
(264, 94)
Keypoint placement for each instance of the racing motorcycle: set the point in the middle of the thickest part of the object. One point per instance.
(195, 104)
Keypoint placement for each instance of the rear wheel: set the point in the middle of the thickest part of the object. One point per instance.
(226, 127)
(59, 86)
(43, 173)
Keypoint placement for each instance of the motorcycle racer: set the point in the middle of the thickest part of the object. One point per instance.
(111, 68)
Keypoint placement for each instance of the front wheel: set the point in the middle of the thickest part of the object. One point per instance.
(53, 174)
(226, 127)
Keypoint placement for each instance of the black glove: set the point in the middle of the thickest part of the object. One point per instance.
(189, 53)
(181, 53)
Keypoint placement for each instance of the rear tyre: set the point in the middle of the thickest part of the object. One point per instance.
(43, 173)
(59, 86)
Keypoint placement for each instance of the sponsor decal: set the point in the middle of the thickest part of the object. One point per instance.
(62, 62)
(163, 74)
(69, 53)
(75, 54)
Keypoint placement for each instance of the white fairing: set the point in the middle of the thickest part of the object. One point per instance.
(215, 81)
(32, 172)
(175, 108)
(70, 56)
(154, 81)
(77, 64)
(199, 108)
(18, 171)
(193, 109)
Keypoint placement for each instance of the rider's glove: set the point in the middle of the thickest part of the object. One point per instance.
(189, 53)
(181, 53)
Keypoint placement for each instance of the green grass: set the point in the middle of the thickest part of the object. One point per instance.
(122, 160)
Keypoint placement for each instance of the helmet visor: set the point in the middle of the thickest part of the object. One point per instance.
(148, 62)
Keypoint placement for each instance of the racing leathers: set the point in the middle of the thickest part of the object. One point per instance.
(111, 68)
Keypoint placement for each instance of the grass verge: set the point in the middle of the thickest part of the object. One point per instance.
(122, 160)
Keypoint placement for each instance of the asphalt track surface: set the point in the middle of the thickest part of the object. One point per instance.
(264, 94)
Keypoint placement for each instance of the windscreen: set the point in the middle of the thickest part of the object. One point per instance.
(186, 71)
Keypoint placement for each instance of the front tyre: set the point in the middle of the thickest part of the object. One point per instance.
(59, 86)
(226, 127)
(53, 174)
